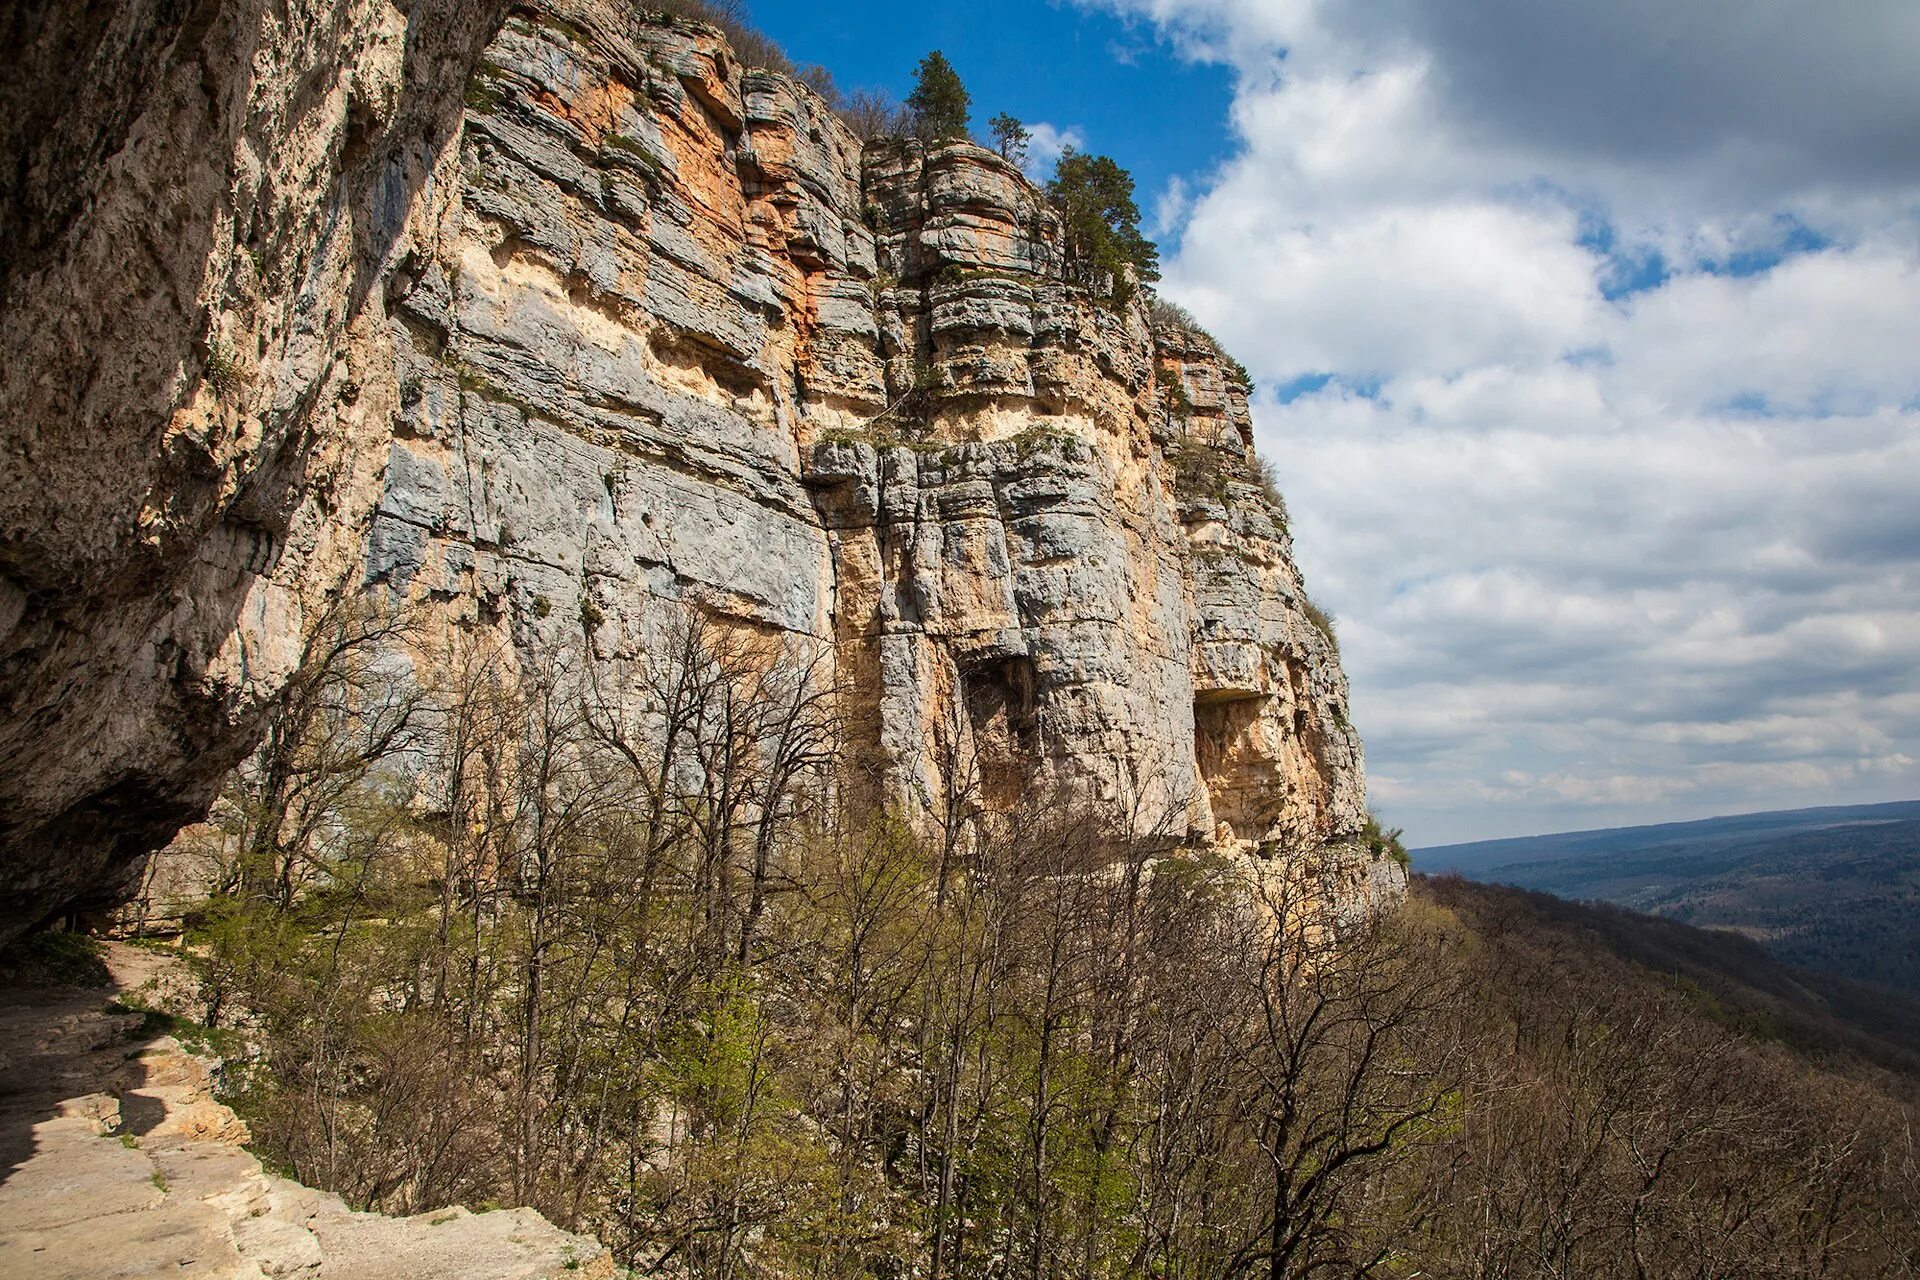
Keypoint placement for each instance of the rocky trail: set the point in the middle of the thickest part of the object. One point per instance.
(117, 1161)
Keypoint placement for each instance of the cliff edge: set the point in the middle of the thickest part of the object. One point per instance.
(552, 319)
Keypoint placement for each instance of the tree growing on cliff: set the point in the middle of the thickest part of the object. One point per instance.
(1095, 198)
(1010, 137)
(939, 102)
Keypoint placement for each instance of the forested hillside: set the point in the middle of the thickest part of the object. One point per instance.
(1837, 890)
(688, 992)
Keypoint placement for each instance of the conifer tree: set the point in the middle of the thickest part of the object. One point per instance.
(1095, 198)
(939, 102)
(1010, 137)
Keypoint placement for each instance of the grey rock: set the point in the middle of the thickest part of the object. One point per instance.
(662, 330)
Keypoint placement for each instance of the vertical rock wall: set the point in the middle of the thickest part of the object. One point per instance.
(200, 203)
(552, 317)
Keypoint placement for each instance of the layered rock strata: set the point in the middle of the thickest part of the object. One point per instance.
(617, 326)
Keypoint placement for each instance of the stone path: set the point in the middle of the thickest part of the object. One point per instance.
(116, 1161)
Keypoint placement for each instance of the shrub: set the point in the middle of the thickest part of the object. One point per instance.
(1270, 485)
(873, 113)
(869, 114)
(1168, 312)
(820, 80)
(224, 372)
(1197, 472)
(752, 46)
(1234, 367)
(1384, 842)
(54, 958)
(1322, 621)
(1174, 397)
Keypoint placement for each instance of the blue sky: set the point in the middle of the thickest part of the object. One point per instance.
(1112, 77)
(1589, 346)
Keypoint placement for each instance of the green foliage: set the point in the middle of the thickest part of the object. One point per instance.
(54, 957)
(953, 273)
(1175, 400)
(1322, 621)
(224, 371)
(484, 91)
(939, 103)
(1384, 842)
(1238, 370)
(1041, 438)
(637, 151)
(195, 1037)
(627, 944)
(1011, 138)
(1094, 197)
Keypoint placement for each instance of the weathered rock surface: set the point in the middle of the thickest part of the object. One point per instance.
(115, 1160)
(554, 319)
(200, 207)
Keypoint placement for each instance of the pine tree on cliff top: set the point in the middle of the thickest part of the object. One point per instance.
(1010, 137)
(939, 102)
(1095, 198)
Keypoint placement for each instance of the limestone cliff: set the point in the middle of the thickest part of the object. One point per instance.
(553, 316)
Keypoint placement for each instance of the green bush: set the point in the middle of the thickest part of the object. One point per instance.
(1010, 137)
(54, 958)
(224, 372)
(1322, 621)
(1384, 842)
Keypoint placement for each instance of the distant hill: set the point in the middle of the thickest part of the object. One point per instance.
(1832, 889)
(1729, 978)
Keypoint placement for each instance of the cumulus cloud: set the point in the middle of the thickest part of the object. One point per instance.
(1590, 346)
(1046, 144)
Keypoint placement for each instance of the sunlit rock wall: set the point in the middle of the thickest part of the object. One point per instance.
(558, 320)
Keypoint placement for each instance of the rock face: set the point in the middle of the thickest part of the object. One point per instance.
(200, 207)
(556, 318)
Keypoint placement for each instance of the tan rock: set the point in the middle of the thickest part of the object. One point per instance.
(569, 307)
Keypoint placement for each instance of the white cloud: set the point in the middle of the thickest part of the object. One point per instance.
(1614, 484)
(1047, 144)
(1170, 210)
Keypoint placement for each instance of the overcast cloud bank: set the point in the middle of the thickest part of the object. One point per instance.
(1589, 345)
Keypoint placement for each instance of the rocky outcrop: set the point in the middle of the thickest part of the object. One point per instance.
(201, 206)
(116, 1160)
(560, 319)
